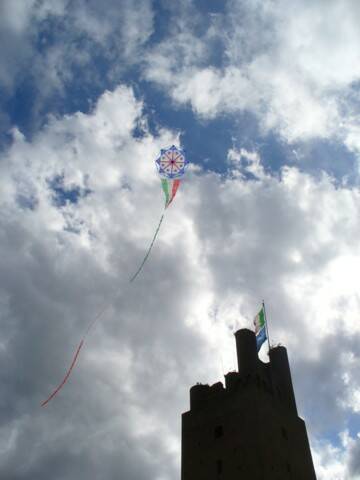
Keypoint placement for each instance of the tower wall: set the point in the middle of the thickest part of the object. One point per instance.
(249, 429)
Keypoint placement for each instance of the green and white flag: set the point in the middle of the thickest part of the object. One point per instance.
(259, 321)
(260, 329)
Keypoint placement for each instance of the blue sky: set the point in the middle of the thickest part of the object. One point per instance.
(206, 139)
(264, 98)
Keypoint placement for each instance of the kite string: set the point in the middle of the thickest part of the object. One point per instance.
(99, 315)
(149, 250)
(108, 304)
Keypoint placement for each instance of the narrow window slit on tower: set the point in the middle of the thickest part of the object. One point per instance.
(219, 431)
(219, 466)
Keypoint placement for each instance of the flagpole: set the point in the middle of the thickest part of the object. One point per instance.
(266, 325)
(267, 333)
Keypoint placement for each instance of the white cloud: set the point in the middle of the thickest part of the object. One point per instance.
(227, 243)
(338, 463)
(329, 462)
(51, 46)
(293, 66)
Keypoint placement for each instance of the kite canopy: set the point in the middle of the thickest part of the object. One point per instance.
(171, 163)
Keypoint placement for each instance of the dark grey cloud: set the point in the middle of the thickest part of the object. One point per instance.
(354, 459)
(328, 378)
(227, 242)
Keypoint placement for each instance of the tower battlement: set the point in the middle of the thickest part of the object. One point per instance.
(274, 377)
(249, 428)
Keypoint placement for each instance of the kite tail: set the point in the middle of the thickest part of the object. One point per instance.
(89, 328)
(57, 389)
(149, 250)
(98, 316)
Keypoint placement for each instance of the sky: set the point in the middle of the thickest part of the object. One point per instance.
(264, 96)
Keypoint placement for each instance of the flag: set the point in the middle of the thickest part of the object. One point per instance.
(260, 328)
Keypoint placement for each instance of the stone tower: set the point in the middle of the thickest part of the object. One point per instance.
(249, 430)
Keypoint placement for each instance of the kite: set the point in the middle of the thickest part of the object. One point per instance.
(171, 165)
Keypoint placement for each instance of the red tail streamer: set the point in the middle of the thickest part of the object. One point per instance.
(66, 376)
(175, 187)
